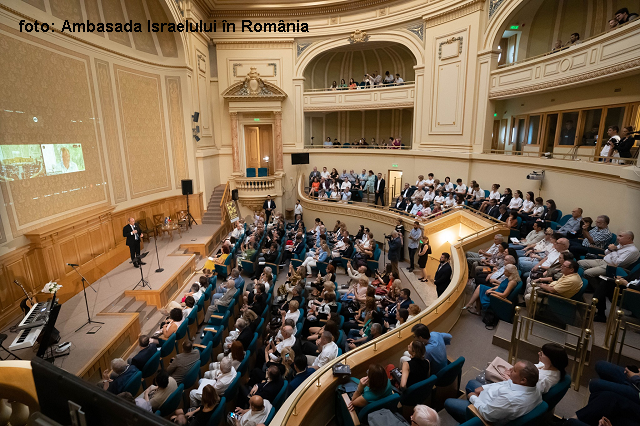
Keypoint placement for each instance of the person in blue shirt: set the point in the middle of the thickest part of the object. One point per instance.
(320, 256)
(435, 346)
(302, 372)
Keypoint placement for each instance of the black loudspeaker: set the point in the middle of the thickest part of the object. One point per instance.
(234, 195)
(187, 187)
(196, 116)
(300, 158)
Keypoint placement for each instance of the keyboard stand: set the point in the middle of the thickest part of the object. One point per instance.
(3, 337)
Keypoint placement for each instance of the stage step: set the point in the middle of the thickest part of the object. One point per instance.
(213, 215)
(152, 324)
(146, 314)
(122, 304)
(137, 306)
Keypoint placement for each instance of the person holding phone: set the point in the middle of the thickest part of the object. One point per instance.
(257, 412)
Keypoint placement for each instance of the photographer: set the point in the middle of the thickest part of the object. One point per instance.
(395, 244)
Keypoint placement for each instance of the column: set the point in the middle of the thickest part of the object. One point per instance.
(235, 147)
(278, 142)
(481, 138)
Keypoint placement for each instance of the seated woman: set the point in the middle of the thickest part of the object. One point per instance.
(373, 387)
(322, 195)
(320, 284)
(412, 310)
(439, 199)
(331, 325)
(494, 194)
(322, 255)
(293, 313)
(527, 205)
(391, 297)
(168, 327)
(552, 366)
(482, 292)
(363, 317)
(319, 311)
(417, 368)
(199, 416)
(512, 220)
(295, 278)
(315, 187)
(449, 201)
(236, 355)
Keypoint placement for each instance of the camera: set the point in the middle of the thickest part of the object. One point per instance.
(535, 175)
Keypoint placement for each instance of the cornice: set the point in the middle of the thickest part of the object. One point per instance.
(453, 13)
(306, 11)
(257, 44)
(556, 84)
(98, 46)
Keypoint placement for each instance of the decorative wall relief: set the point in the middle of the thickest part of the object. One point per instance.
(301, 47)
(358, 36)
(418, 30)
(494, 5)
(177, 130)
(450, 52)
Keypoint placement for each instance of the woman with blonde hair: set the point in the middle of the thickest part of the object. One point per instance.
(482, 292)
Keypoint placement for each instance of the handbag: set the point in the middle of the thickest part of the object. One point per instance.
(340, 369)
(497, 370)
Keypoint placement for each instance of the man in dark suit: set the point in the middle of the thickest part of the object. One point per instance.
(133, 234)
(269, 206)
(379, 188)
(395, 245)
(443, 274)
(146, 352)
(407, 192)
(604, 289)
(494, 209)
(246, 333)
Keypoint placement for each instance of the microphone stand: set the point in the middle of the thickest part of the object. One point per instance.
(155, 242)
(84, 290)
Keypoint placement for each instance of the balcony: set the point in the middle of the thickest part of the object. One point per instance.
(252, 191)
(602, 57)
(378, 97)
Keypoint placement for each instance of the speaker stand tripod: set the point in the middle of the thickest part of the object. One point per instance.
(189, 217)
(137, 261)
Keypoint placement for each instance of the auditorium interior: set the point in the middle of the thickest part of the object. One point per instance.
(327, 212)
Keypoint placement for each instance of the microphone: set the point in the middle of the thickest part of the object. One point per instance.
(73, 264)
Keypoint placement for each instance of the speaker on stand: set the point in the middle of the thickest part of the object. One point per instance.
(187, 189)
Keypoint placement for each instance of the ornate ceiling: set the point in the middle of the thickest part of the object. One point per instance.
(267, 8)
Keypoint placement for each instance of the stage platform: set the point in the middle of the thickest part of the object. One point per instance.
(126, 312)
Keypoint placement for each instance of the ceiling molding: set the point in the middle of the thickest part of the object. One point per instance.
(284, 11)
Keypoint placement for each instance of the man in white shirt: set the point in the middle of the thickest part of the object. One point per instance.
(623, 255)
(430, 180)
(399, 80)
(345, 185)
(328, 350)
(536, 235)
(430, 195)
(325, 174)
(461, 188)
(66, 165)
(346, 195)
(377, 78)
(238, 230)
(272, 350)
(561, 244)
(473, 257)
(220, 382)
(503, 401)
(297, 209)
(257, 413)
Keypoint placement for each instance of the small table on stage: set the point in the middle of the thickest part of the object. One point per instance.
(169, 230)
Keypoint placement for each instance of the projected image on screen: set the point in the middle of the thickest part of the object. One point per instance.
(21, 162)
(62, 158)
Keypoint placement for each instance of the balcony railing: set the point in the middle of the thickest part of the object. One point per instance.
(348, 145)
(608, 55)
(256, 184)
(363, 98)
(571, 155)
(359, 87)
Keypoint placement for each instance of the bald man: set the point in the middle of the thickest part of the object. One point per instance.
(257, 412)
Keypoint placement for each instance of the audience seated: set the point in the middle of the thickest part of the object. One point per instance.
(200, 414)
(604, 289)
(162, 388)
(622, 255)
(327, 349)
(417, 368)
(373, 387)
(116, 379)
(567, 285)
(147, 349)
(482, 292)
(182, 362)
(503, 401)
(256, 414)
(435, 347)
(218, 379)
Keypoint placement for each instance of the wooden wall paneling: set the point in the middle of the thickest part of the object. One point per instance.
(96, 239)
(83, 245)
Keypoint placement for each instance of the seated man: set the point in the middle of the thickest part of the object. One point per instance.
(418, 195)
(224, 300)
(272, 350)
(503, 401)
(567, 286)
(374, 332)
(473, 258)
(220, 382)
(571, 228)
(526, 265)
(162, 388)
(238, 280)
(182, 362)
(147, 349)
(623, 255)
(596, 238)
(238, 231)
(532, 237)
(116, 379)
(256, 414)
(328, 350)
(301, 373)
(434, 345)
(617, 379)
(606, 408)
